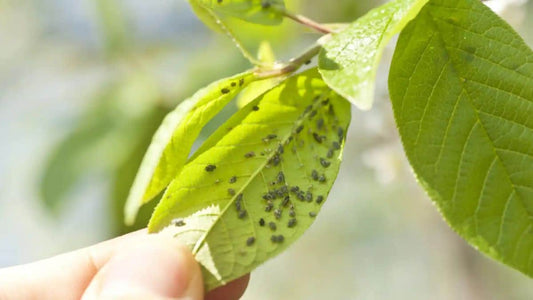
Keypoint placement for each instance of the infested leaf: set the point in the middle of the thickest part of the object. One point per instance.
(173, 140)
(461, 87)
(349, 59)
(265, 12)
(259, 181)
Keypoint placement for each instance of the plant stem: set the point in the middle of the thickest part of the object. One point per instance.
(307, 22)
(293, 65)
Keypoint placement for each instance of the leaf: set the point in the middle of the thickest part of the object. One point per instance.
(172, 142)
(265, 12)
(461, 86)
(290, 137)
(349, 60)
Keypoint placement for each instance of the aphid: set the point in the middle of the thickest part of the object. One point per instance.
(269, 206)
(242, 214)
(308, 109)
(320, 123)
(178, 222)
(241, 81)
(210, 168)
(319, 199)
(277, 238)
(340, 133)
(261, 222)
(265, 4)
(284, 189)
(275, 160)
(249, 154)
(238, 204)
(308, 62)
(233, 179)
(224, 90)
(330, 153)
(272, 226)
(280, 149)
(292, 213)
(271, 136)
(239, 197)
(292, 223)
(281, 177)
(277, 213)
(250, 241)
(295, 189)
(336, 145)
(301, 195)
(255, 108)
(317, 137)
(267, 196)
(231, 192)
(309, 196)
(219, 1)
(314, 175)
(325, 102)
(285, 201)
(299, 129)
(324, 162)
(233, 83)
(312, 214)
(313, 114)
(279, 193)
(322, 178)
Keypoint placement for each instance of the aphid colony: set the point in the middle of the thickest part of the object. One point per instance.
(280, 197)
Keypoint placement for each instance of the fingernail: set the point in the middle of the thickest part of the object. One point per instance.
(159, 268)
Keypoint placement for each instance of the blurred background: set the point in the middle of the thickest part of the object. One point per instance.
(83, 86)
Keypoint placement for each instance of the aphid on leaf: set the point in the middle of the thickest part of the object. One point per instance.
(330, 153)
(210, 168)
(272, 226)
(233, 179)
(308, 109)
(261, 222)
(292, 223)
(314, 175)
(280, 149)
(292, 213)
(340, 133)
(295, 189)
(299, 129)
(241, 81)
(255, 108)
(231, 192)
(279, 193)
(250, 241)
(301, 195)
(312, 214)
(271, 136)
(320, 123)
(322, 178)
(225, 91)
(324, 162)
(242, 214)
(265, 4)
(269, 206)
(319, 199)
(178, 222)
(275, 160)
(277, 238)
(249, 154)
(238, 205)
(309, 196)
(312, 114)
(317, 137)
(284, 189)
(233, 84)
(277, 213)
(336, 145)
(285, 201)
(281, 177)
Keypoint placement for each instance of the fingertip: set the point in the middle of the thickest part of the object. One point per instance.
(231, 291)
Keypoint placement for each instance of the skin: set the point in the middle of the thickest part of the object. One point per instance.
(133, 266)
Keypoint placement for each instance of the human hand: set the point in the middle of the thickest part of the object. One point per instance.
(134, 266)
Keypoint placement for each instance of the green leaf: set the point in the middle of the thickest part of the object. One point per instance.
(461, 86)
(349, 60)
(173, 140)
(264, 12)
(292, 136)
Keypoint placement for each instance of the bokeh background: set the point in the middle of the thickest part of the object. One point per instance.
(83, 85)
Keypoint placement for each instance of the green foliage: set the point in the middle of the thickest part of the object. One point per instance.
(264, 12)
(247, 171)
(349, 59)
(461, 86)
(173, 140)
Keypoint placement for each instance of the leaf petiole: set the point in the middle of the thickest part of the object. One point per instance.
(305, 21)
(294, 64)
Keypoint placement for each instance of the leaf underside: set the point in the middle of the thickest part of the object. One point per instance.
(349, 60)
(258, 182)
(461, 84)
(173, 140)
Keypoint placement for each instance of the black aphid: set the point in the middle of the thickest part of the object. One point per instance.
(271, 136)
(267, 196)
(325, 102)
(233, 179)
(241, 81)
(275, 160)
(319, 199)
(308, 109)
(269, 206)
(210, 168)
(233, 84)
(322, 178)
(336, 145)
(292, 223)
(320, 123)
(231, 192)
(312, 114)
(309, 196)
(292, 213)
(239, 197)
(277, 213)
(277, 238)
(324, 162)
(285, 201)
(265, 4)
(250, 241)
(308, 62)
(281, 177)
(317, 137)
(242, 214)
(279, 193)
(224, 90)
(299, 129)
(284, 189)
(301, 195)
(295, 189)
(255, 108)
(272, 226)
(340, 133)
(249, 154)
(280, 149)
(238, 205)
(178, 222)
(219, 1)
(261, 222)
(312, 214)
(330, 153)
(314, 175)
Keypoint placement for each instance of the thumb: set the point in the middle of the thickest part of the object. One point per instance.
(156, 267)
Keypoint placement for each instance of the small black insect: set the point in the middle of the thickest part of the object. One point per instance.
(271, 136)
(292, 223)
(281, 177)
(210, 168)
(299, 129)
(330, 153)
(275, 160)
(233, 179)
(320, 123)
(233, 84)
(269, 206)
(219, 1)
(238, 205)
(250, 241)
(312, 214)
(261, 222)
(336, 145)
(239, 197)
(249, 154)
(314, 175)
(309, 196)
(295, 189)
(242, 214)
(312, 114)
(319, 199)
(255, 108)
(277, 238)
(277, 213)
(280, 149)
(317, 137)
(308, 109)
(340, 133)
(241, 81)
(292, 213)
(225, 91)
(324, 162)
(265, 4)
(301, 195)
(272, 226)
(178, 222)
(322, 178)
(284, 189)
(285, 201)
(279, 193)
(231, 192)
